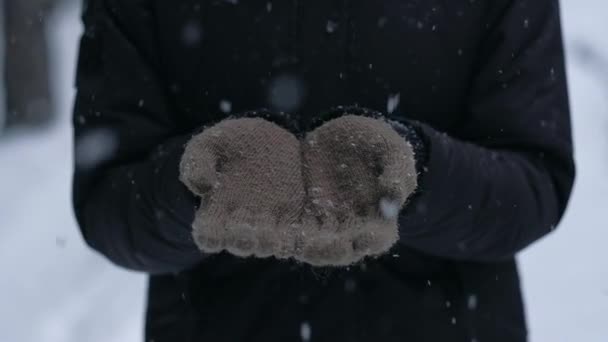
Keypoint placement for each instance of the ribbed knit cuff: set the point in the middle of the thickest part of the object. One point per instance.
(415, 138)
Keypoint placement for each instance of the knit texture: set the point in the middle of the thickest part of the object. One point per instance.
(330, 199)
(248, 175)
(358, 173)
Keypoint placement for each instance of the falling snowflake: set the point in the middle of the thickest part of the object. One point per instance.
(225, 106)
(305, 331)
(382, 21)
(472, 302)
(389, 208)
(331, 26)
(94, 147)
(192, 33)
(286, 93)
(393, 102)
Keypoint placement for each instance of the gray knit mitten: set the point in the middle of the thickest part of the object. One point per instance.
(248, 174)
(358, 172)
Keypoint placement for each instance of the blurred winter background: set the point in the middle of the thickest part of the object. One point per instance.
(53, 288)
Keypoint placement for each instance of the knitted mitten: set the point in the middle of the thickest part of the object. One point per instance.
(248, 174)
(358, 172)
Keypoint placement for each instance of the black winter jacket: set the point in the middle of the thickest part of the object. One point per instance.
(482, 80)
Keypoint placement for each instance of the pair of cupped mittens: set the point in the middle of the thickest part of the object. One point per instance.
(330, 198)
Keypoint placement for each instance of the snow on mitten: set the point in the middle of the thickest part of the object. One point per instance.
(248, 174)
(358, 173)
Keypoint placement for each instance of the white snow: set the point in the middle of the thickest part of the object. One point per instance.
(565, 275)
(393, 102)
(305, 331)
(286, 92)
(54, 288)
(389, 208)
(225, 106)
(331, 26)
(192, 33)
(472, 302)
(95, 147)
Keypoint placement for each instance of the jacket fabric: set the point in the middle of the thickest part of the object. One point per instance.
(482, 81)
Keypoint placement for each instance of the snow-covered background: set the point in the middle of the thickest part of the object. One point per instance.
(53, 288)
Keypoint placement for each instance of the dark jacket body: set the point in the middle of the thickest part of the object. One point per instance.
(482, 81)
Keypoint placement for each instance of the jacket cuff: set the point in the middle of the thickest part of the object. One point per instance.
(412, 134)
(175, 202)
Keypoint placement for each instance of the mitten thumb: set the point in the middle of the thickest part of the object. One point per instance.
(198, 168)
(398, 179)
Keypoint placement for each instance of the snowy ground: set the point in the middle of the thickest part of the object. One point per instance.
(565, 276)
(53, 288)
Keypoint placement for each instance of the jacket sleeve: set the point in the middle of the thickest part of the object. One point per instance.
(128, 200)
(503, 178)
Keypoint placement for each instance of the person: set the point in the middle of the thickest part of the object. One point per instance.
(29, 101)
(323, 170)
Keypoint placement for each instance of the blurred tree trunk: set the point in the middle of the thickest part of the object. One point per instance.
(26, 69)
